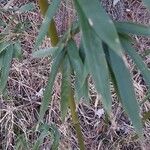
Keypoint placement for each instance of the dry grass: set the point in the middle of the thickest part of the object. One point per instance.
(19, 109)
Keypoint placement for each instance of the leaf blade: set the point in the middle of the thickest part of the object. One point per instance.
(46, 22)
(100, 21)
(96, 60)
(137, 59)
(65, 87)
(48, 91)
(133, 28)
(126, 91)
(6, 62)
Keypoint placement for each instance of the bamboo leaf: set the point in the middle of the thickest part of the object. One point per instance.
(53, 7)
(133, 28)
(44, 52)
(126, 43)
(77, 65)
(56, 137)
(40, 140)
(48, 91)
(100, 21)
(51, 131)
(147, 3)
(27, 7)
(65, 87)
(3, 46)
(96, 60)
(125, 89)
(22, 143)
(17, 53)
(1, 62)
(6, 62)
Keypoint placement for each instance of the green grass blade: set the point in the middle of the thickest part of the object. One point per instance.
(6, 62)
(96, 60)
(133, 28)
(65, 87)
(127, 45)
(100, 22)
(52, 9)
(48, 91)
(126, 90)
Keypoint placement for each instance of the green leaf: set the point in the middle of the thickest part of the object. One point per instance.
(44, 52)
(6, 62)
(133, 28)
(77, 66)
(48, 130)
(96, 60)
(100, 21)
(52, 9)
(147, 3)
(3, 46)
(56, 137)
(53, 52)
(27, 7)
(127, 45)
(40, 140)
(17, 53)
(48, 91)
(65, 87)
(125, 89)
(21, 143)
(1, 62)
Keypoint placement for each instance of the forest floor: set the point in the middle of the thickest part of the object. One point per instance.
(28, 77)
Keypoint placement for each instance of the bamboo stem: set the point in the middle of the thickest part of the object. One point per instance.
(52, 32)
(75, 122)
(54, 40)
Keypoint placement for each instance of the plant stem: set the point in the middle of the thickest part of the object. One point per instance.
(54, 40)
(52, 32)
(75, 121)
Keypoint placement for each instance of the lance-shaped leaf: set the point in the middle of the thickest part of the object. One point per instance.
(77, 65)
(6, 62)
(133, 28)
(48, 131)
(147, 3)
(100, 22)
(65, 87)
(17, 53)
(3, 46)
(126, 43)
(27, 7)
(48, 91)
(125, 89)
(44, 52)
(53, 7)
(56, 137)
(96, 60)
